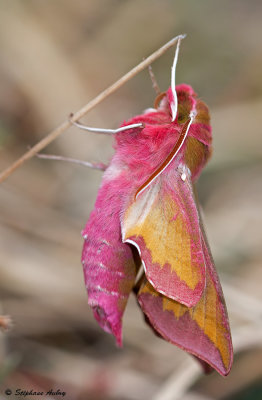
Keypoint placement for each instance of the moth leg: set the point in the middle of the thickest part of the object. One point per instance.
(140, 277)
(104, 130)
(153, 80)
(99, 166)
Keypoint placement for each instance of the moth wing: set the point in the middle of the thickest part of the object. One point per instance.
(202, 330)
(163, 224)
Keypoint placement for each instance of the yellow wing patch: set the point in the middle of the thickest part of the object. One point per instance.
(164, 229)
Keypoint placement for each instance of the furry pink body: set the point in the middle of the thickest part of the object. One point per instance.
(138, 153)
(109, 266)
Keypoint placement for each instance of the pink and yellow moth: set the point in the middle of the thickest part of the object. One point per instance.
(146, 205)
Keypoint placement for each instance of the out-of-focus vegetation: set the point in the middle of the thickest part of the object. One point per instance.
(55, 56)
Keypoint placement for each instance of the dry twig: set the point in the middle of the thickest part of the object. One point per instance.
(89, 106)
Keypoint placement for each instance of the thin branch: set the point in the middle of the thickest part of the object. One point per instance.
(247, 337)
(89, 106)
(153, 80)
(179, 382)
(251, 307)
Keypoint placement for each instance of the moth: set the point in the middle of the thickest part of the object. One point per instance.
(146, 214)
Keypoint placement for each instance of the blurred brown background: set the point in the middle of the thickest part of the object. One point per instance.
(55, 56)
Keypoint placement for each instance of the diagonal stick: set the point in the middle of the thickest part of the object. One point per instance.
(80, 113)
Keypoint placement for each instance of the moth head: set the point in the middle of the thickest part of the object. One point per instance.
(181, 101)
(186, 102)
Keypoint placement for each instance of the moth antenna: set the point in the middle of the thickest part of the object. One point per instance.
(153, 80)
(173, 104)
(104, 130)
(171, 156)
(99, 166)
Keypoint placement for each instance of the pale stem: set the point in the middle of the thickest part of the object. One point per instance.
(89, 106)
